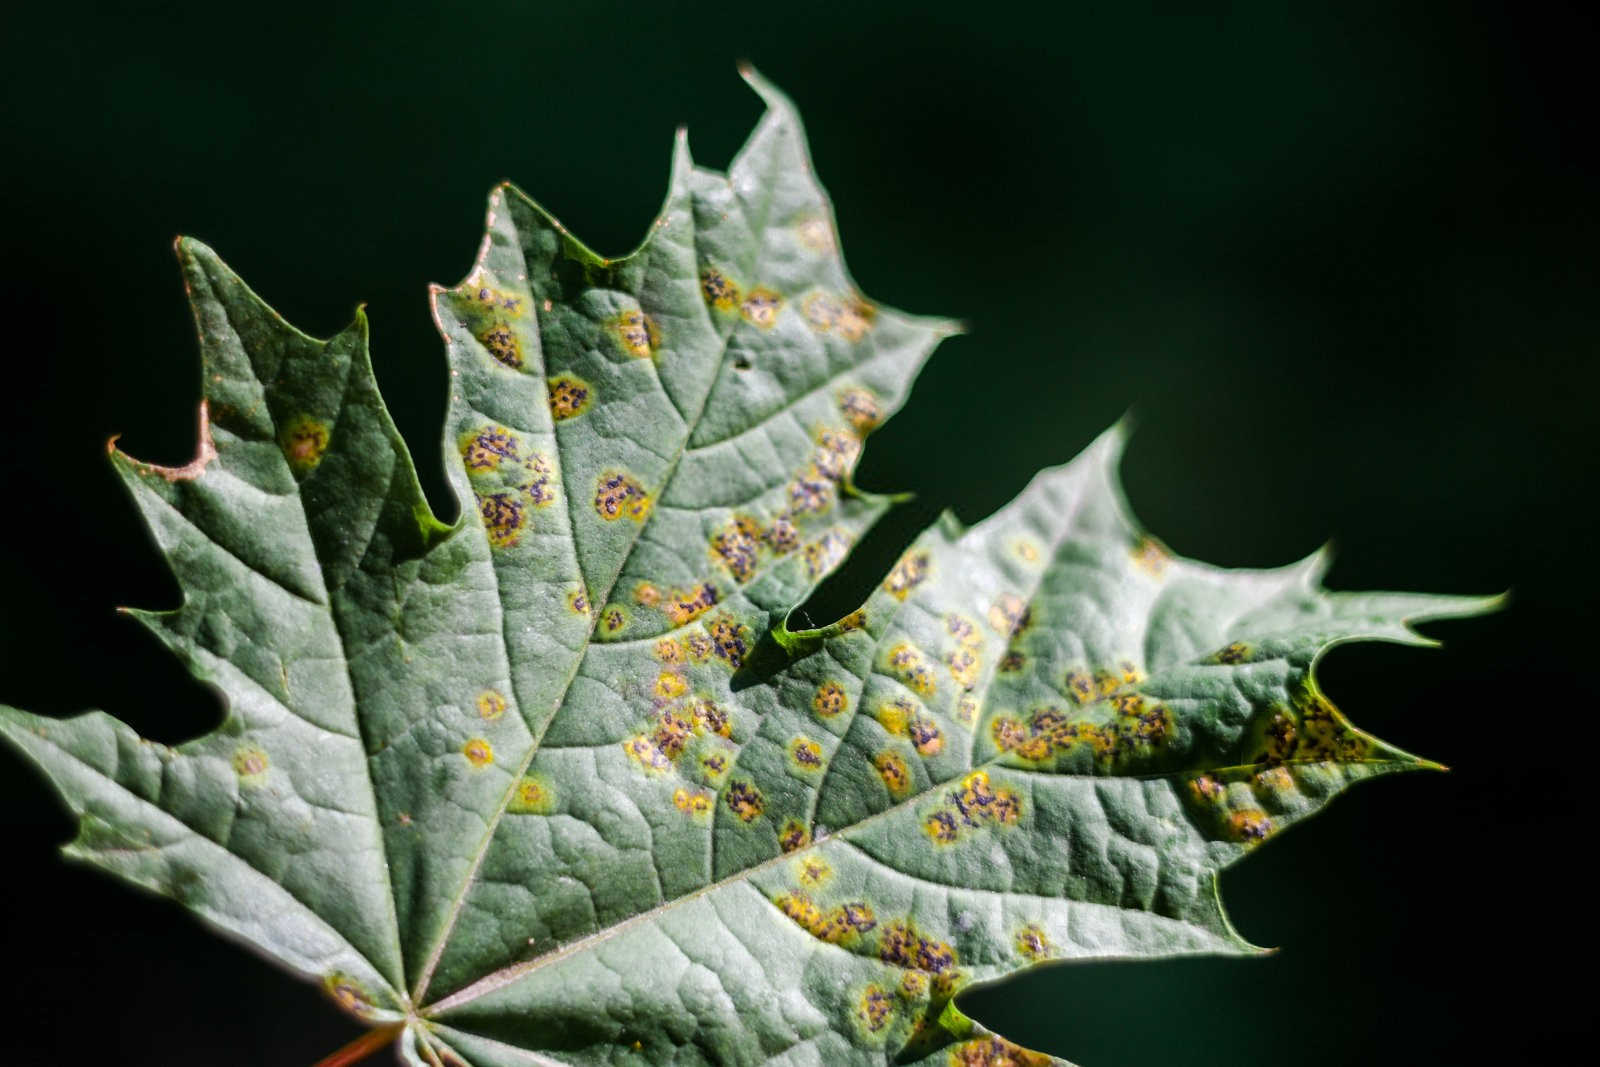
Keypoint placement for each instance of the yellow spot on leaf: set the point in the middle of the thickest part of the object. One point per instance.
(760, 307)
(501, 342)
(479, 752)
(491, 704)
(830, 700)
(569, 396)
(304, 440)
(618, 495)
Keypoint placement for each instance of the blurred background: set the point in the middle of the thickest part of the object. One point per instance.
(1339, 262)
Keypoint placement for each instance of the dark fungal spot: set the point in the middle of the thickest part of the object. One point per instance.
(501, 342)
(744, 800)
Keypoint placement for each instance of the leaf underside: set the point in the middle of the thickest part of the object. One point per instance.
(557, 785)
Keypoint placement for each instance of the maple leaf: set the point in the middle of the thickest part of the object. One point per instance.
(557, 783)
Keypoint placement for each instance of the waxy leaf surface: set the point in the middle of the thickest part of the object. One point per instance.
(557, 784)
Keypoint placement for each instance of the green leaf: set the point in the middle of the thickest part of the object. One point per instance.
(557, 784)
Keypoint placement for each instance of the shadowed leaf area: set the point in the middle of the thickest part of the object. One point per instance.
(558, 785)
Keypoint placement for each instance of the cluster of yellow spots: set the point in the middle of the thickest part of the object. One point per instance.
(902, 946)
(1313, 730)
(502, 342)
(875, 1009)
(531, 797)
(685, 605)
(908, 573)
(674, 726)
(1086, 688)
(1032, 943)
(1237, 814)
(849, 316)
(793, 835)
(491, 704)
(1136, 727)
(860, 408)
(638, 334)
(856, 620)
(965, 660)
(479, 752)
(901, 718)
(1009, 615)
(907, 663)
(825, 553)
(720, 291)
(990, 1051)
(830, 699)
(806, 755)
(1150, 557)
(692, 801)
(250, 763)
(815, 234)
(744, 800)
(613, 620)
(760, 307)
(892, 769)
(304, 440)
(569, 396)
(617, 494)
(972, 804)
(578, 602)
(836, 925)
(967, 711)
(504, 513)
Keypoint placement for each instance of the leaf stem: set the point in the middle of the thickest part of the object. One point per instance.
(363, 1046)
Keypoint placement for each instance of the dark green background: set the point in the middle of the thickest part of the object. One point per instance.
(1341, 265)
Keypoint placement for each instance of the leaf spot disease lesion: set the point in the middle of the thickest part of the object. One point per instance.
(793, 835)
(618, 494)
(693, 802)
(805, 755)
(830, 699)
(974, 803)
(532, 796)
(1032, 943)
(840, 924)
(478, 752)
(570, 396)
(491, 704)
(760, 307)
(909, 572)
(849, 316)
(720, 291)
(304, 440)
(638, 333)
(860, 408)
(744, 799)
(502, 342)
(250, 763)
